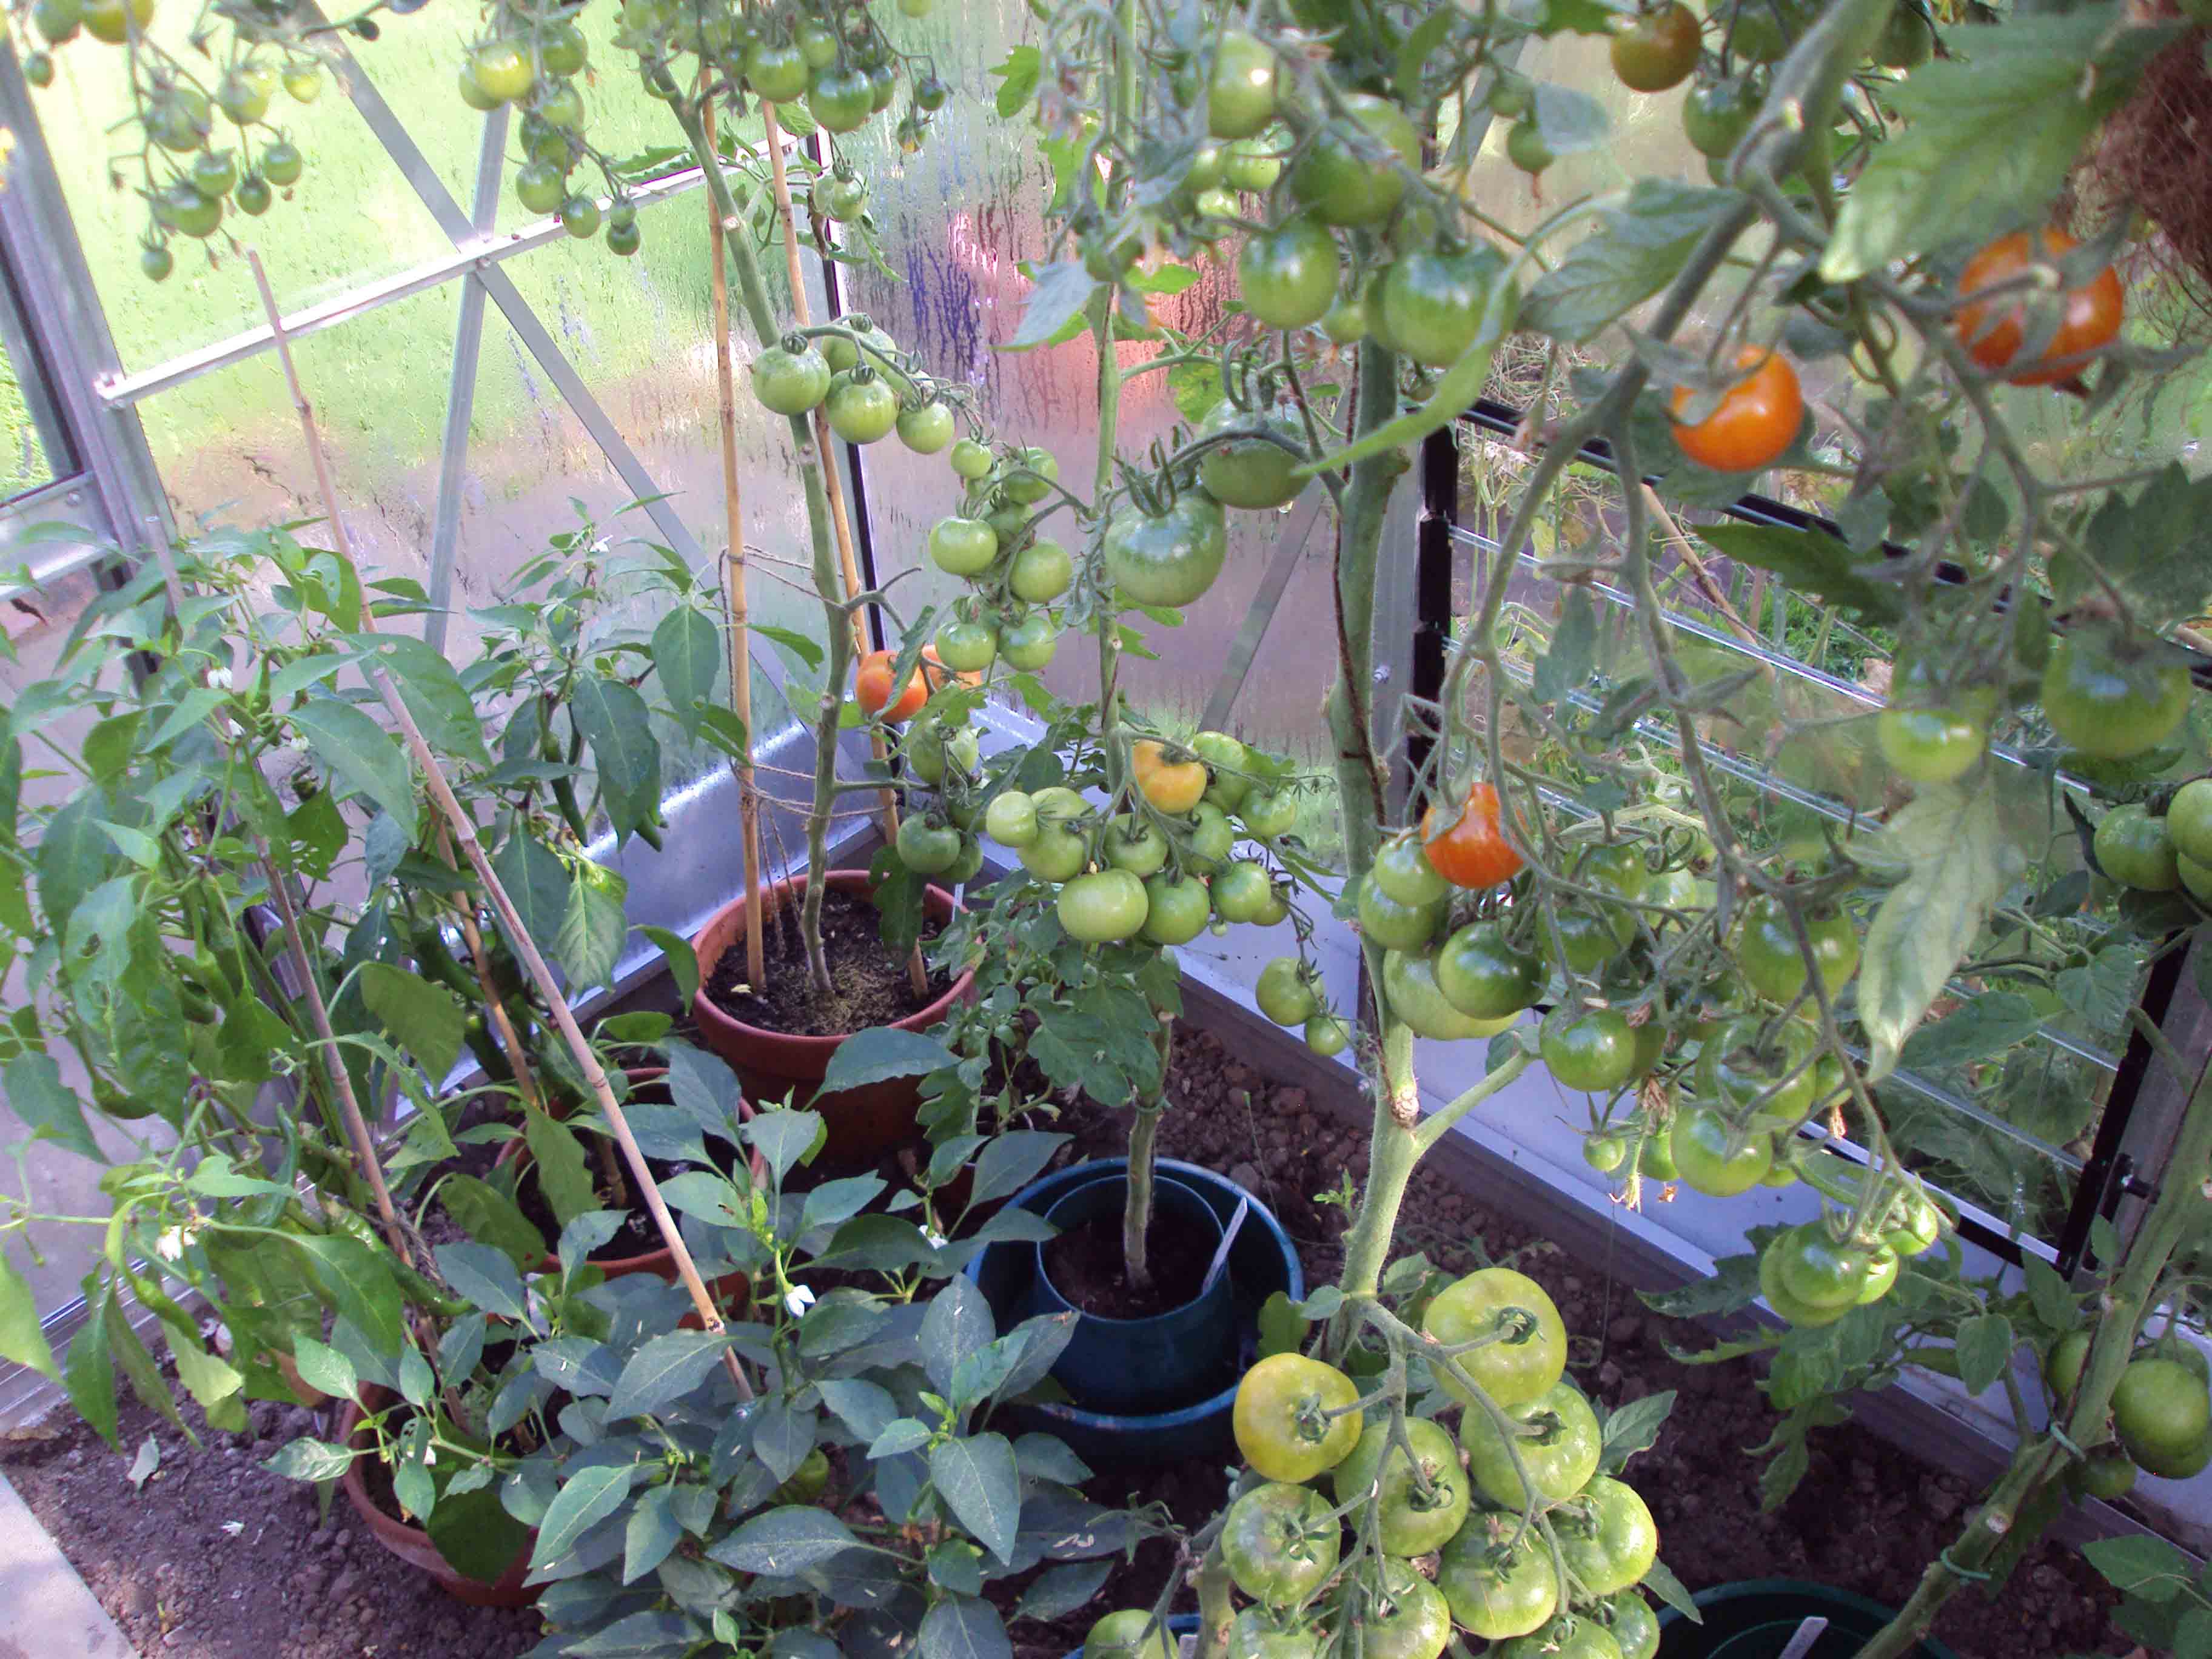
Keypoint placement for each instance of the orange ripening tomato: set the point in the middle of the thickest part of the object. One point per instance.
(1757, 419)
(2089, 320)
(1171, 786)
(1471, 852)
(871, 684)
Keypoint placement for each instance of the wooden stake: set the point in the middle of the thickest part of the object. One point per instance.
(733, 583)
(833, 483)
(465, 830)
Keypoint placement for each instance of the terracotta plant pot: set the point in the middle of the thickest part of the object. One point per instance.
(732, 1291)
(863, 1121)
(410, 1543)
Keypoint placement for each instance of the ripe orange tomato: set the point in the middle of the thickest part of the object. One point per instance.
(1172, 785)
(2090, 319)
(1471, 852)
(871, 684)
(1758, 417)
(872, 689)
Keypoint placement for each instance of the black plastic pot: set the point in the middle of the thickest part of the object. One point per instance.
(1261, 1261)
(1169, 1360)
(1756, 1618)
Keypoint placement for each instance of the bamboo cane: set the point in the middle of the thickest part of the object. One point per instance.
(833, 482)
(465, 830)
(733, 584)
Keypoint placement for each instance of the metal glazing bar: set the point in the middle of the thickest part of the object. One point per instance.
(31, 382)
(461, 393)
(67, 328)
(472, 254)
(48, 532)
(416, 169)
(1299, 530)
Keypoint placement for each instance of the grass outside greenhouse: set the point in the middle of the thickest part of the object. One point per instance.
(1296, 830)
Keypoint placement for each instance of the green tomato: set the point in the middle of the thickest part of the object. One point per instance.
(1170, 558)
(2137, 850)
(1634, 1625)
(1743, 1069)
(1252, 164)
(1284, 992)
(180, 119)
(2162, 1413)
(1103, 908)
(926, 427)
(1011, 819)
(1778, 1297)
(1618, 870)
(1409, 985)
(1279, 1543)
(1287, 276)
(787, 381)
(58, 20)
(1607, 1536)
(1767, 956)
(1716, 116)
(1210, 837)
(580, 217)
(1421, 1502)
(253, 195)
(1327, 1036)
(1393, 926)
(1240, 91)
(970, 460)
(1178, 909)
(1258, 1634)
(1244, 892)
(1339, 185)
(1714, 1157)
(2189, 820)
(2112, 706)
(1121, 1636)
(1410, 1619)
(281, 163)
(1557, 1436)
(1028, 645)
(927, 846)
(1042, 572)
(1531, 1353)
(538, 187)
(155, 262)
(244, 95)
(1818, 1269)
(1584, 938)
(778, 71)
(1928, 746)
(1493, 1594)
(1252, 473)
(1227, 765)
(1268, 813)
(1030, 476)
(1055, 853)
(962, 547)
(1402, 869)
(2196, 878)
(1593, 1051)
(1482, 976)
(561, 49)
(1136, 847)
(967, 648)
(1605, 1152)
(214, 172)
(179, 207)
(860, 410)
(1433, 302)
(1564, 1635)
(840, 101)
(1526, 148)
(930, 750)
(839, 197)
(501, 70)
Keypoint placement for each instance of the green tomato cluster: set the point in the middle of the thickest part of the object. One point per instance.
(1528, 1442)
(2161, 852)
(2161, 1411)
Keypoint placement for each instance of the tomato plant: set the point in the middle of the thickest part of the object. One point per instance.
(1756, 419)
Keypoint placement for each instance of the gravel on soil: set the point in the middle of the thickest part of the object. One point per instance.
(214, 1558)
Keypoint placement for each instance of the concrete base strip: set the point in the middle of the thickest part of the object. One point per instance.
(45, 1611)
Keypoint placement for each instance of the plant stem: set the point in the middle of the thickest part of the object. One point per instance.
(2177, 1211)
(1136, 1213)
(1360, 782)
(1217, 1609)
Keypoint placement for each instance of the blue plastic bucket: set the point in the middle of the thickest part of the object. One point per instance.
(1755, 1619)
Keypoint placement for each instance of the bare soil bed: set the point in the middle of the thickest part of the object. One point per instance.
(216, 1558)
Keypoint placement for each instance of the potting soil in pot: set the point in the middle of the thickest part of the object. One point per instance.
(872, 985)
(1087, 1266)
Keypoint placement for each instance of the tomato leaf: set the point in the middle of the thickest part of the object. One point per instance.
(1811, 561)
(1062, 290)
(1989, 134)
(1635, 250)
(2140, 1566)
(2134, 542)
(1988, 1026)
(1018, 79)
(1634, 1428)
(1659, 1580)
(1959, 862)
(1570, 121)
